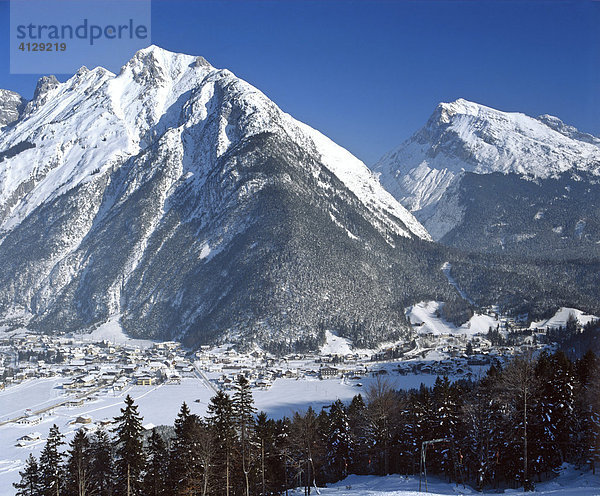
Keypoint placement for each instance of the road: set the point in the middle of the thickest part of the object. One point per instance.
(56, 405)
(202, 376)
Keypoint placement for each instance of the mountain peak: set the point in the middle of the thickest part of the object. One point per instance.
(11, 106)
(464, 136)
(44, 85)
(160, 63)
(210, 186)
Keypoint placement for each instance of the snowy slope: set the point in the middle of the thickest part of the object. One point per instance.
(570, 482)
(424, 316)
(465, 136)
(214, 197)
(109, 118)
(560, 318)
(462, 137)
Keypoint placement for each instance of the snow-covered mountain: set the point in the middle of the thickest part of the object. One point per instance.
(11, 107)
(181, 198)
(434, 174)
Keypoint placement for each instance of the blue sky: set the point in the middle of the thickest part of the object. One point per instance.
(369, 73)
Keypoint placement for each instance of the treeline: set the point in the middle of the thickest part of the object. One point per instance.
(514, 426)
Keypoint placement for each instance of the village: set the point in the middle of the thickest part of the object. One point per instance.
(87, 370)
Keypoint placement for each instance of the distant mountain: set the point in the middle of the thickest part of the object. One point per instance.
(486, 180)
(180, 198)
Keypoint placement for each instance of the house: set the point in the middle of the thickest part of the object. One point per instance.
(86, 381)
(121, 384)
(144, 380)
(325, 372)
(32, 420)
(32, 436)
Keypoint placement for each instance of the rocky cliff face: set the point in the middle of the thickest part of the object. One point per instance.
(11, 107)
(484, 179)
(179, 198)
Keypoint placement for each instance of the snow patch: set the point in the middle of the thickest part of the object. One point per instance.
(112, 331)
(559, 319)
(425, 319)
(336, 345)
(205, 251)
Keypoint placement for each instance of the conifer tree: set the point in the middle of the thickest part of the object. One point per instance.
(243, 410)
(481, 420)
(51, 464)
(79, 466)
(339, 441)
(221, 422)
(306, 443)
(446, 424)
(518, 387)
(266, 439)
(29, 485)
(381, 407)
(588, 407)
(357, 418)
(185, 460)
(102, 466)
(128, 450)
(157, 458)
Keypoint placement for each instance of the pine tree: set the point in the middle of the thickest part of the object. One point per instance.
(29, 485)
(243, 410)
(128, 450)
(79, 466)
(221, 422)
(358, 421)
(155, 477)
(340, 447)
(102, 466)
(51, 469)
(186, 467)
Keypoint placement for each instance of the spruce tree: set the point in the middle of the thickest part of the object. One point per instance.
(222, 424)
(79, 466)
(339, 441)
(51, 464)
(243, 410)
(446, 424)
(518, 388)
(358, 421)
(381, 408)
(128, 449)
(185, 457)
(29, 485)
(102, 466)
(265, 438)
(157, 459)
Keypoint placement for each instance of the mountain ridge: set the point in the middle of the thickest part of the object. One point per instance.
(208, 189)
(461, 137)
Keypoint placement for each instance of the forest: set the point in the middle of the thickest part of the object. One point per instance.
(513, 427)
